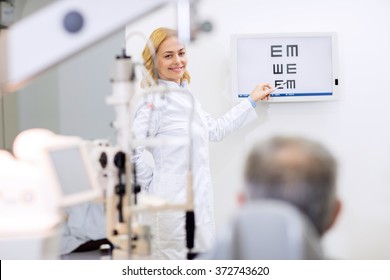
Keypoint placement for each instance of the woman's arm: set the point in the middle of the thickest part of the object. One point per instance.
(146, 123)
(239, 115)
(235, 118)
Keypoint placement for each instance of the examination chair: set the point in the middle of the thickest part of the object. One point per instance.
(268, 230)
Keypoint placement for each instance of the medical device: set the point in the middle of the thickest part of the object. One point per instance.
(46, 172)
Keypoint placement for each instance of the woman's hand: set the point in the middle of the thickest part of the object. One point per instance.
(262, 92)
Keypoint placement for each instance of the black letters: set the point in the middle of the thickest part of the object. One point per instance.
(278, 70)
(278, 82)
(290, 84)
(291, 68)
(276, 51)
(291, 48)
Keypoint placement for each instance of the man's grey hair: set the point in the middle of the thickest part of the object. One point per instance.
(295, 170)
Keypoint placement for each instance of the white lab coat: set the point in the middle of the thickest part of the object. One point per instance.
(167, 179)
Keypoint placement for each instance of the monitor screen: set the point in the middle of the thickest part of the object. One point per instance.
(301, 66)
(70, 170)
(73, 174)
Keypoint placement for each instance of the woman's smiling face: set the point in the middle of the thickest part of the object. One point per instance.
(171, 60)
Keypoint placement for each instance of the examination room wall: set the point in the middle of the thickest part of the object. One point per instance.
(355, 127)
(38, 100)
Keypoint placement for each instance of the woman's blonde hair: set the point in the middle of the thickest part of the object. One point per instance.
(157, 37)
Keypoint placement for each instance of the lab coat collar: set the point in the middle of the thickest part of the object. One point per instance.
(184, 84)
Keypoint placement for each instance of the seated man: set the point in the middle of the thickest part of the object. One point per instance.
(290, 189)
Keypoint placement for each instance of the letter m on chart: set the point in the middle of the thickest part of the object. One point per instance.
(291, 84)
(292, 50)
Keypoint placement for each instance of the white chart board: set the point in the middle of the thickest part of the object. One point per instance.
(305, 62)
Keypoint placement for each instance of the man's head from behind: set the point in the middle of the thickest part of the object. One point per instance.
(295, 170)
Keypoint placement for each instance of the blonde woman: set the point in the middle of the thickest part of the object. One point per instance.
(167, 179)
